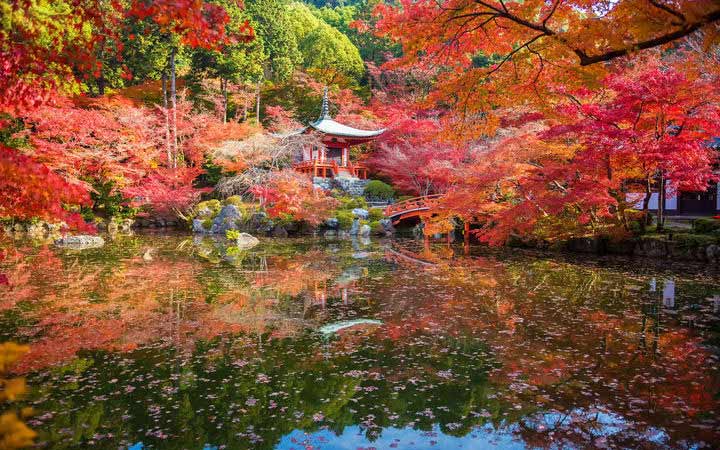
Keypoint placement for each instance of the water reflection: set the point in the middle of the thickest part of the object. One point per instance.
(206, 346)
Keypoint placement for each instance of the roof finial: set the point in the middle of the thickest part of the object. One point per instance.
(325, 111)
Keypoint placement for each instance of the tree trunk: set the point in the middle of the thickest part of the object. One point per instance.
(173, 104)
(661, 203)
(101, 84)
(223, 87)
(101, 81)
(646, 204)
(168, 149)
(608, 168)
(257, 103)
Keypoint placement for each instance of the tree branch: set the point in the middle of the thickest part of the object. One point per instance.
(668, 10)
(586, 60)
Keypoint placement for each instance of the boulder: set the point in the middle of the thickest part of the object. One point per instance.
(365, 230)
(247, 241)
(279, 232)
(713, 252)
(355, 228)
(361, 213)
(261, 222)
(387, 226)
(333, 223)
(330, 233)
(80, 242)
(197, 226)
(227, 219)
(651, 247)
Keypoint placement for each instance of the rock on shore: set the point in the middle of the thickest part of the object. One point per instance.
(80, 242)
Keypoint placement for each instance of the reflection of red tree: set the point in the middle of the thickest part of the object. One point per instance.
(559, 355)
(78, 307)
(19, 265)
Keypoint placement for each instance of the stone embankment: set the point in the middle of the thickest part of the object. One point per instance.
(699, 249)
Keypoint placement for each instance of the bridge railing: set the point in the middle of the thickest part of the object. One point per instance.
(412, 204)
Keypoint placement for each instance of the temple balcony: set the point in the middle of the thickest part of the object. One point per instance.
(331, 169)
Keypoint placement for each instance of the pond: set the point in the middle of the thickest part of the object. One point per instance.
(174, 342)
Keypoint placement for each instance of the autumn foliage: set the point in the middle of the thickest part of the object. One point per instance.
(29, 189)
(574, 170)
(291, 195)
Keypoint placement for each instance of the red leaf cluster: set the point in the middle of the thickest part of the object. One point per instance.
(29, 189)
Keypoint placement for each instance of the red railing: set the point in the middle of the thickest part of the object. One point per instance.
(316, 168)
(331, 168)
(412, 205)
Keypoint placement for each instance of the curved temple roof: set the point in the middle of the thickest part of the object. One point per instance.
(329, 126)
(326, 124)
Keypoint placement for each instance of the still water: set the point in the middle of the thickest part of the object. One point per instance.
(175, 342)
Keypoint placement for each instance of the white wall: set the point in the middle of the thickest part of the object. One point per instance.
(636, 199)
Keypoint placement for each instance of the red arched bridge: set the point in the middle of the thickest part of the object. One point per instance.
(419, 207)
(412, 207)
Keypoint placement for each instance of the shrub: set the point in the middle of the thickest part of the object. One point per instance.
(634, 227)
(350, 203)
(233, 235)
(345, 219)
(376, 189)
(207, 223)
(706, 225)
(235, 200)
(402, 198)
(694, 240)
(213, 205)
(376, 214)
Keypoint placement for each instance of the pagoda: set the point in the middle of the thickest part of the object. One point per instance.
(332, 158)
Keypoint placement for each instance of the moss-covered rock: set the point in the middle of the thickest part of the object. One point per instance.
(377, 228)
(208, 208)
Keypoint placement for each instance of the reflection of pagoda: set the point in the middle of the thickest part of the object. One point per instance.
(332, 158)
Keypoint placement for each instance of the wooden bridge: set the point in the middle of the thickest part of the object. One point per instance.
(412, 207)
(419, 207)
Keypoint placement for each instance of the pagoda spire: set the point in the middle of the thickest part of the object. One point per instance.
(325, 111)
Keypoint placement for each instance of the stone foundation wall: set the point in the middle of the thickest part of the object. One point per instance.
(648, 247)
(349, 185)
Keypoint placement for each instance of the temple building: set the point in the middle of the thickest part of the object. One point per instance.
(683, 203)
(686, 203)
(332, 158)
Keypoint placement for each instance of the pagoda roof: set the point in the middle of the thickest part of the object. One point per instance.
(327, 125)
